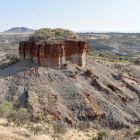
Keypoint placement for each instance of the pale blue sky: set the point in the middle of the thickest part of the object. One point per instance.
(100, 15)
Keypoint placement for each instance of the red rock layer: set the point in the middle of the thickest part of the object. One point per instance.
(54, 54)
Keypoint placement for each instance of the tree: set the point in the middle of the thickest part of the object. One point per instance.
(121, 58)
(101, 55)
(126, 58)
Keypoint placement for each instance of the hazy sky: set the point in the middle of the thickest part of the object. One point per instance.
(100, 15)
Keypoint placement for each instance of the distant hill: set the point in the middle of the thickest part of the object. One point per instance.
(87, 31)
(19, 30)
(94, 31)
(132, 31)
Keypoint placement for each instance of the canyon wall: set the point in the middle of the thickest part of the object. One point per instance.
(54, 54)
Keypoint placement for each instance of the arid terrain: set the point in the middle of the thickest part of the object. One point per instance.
(70, 95)
(82, 97)
(114, 45)
(103, 93)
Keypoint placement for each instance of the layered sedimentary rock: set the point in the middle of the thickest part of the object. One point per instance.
(54, 54)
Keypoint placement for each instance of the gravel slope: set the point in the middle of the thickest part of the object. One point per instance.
(69, 95)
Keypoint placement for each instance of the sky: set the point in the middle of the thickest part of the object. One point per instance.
(75, 15)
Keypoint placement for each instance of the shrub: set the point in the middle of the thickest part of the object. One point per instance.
(101, 55)
(59, 128)
(13, 59)
(83, 125)
(121, 58)
(94, 138)
(137, 61)
(75, 37)
(53, 34)
(76, 125)
(19, 117)
(6, 109)
(126, 58)
(90, 54)
(137, 133)
(128, 134)
(102, 134)
(98, 127)
(36, 129)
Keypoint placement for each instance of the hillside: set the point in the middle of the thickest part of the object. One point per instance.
(9, 44)
(114, 45)
(70, 95)
(19, 30)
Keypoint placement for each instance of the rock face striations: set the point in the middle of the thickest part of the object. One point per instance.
(54, 54)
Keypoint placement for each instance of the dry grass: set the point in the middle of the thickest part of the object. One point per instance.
(24, 133)
(106, 59)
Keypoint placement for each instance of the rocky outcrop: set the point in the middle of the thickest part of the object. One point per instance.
(88, 73)
(54, 54)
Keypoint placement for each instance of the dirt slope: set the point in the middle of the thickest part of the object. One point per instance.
(69, 95)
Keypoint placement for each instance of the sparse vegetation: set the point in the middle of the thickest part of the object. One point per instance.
(36, 129)
(9, 43)
(6, 109)
(102, 134)
(59, 128)
(8, 62)
(83, 126)
(137, 61)
(121, 58)
(137, 133)
(18, 117)
(53, 34)
(114, 46)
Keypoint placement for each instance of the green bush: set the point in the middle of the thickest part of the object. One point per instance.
(59, 128)
(137, 133)
(6, 109)
(75, 37)
(101, 55)
(121, 58)
(90, 54)
(102, 134)
(126, 58)
(13, 59)
(18, 117)
(83, 125)
(137, 61)
(36, 130)
(53, 34)
(76, 125)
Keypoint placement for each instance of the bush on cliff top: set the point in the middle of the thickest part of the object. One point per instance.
(53, 34)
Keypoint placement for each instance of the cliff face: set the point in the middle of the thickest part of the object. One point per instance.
(54, 54)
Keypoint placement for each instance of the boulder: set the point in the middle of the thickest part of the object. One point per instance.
(88, 73)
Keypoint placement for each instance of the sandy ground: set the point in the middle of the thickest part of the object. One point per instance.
(22, 133)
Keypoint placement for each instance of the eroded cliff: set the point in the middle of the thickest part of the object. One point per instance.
(54, 54)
